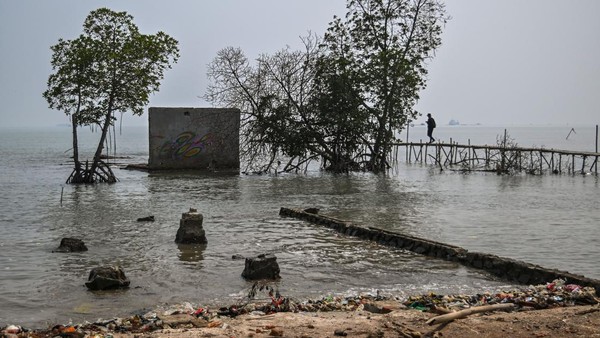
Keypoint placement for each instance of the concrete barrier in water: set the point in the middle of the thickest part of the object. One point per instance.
(505, 268)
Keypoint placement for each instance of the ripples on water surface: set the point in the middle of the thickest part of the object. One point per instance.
(547, 220)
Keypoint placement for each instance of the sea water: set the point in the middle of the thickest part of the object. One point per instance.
(550, 220)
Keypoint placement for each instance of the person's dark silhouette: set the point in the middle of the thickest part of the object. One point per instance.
(430, 127)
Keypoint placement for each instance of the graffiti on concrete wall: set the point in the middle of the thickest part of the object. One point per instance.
(187, 145)
(193, 138)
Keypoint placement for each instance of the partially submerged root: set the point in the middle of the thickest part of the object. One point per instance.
(101, 173)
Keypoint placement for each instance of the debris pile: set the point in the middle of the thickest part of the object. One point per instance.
(554, 294)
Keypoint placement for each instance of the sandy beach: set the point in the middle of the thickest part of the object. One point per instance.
(536, 311)
(578, 321)
(575, 321)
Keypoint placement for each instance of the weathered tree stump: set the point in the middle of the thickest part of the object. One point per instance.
(71, 245)
(107, 277)
(190, 229)
(262, 267)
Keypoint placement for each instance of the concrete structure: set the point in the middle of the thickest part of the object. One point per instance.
(194, 138)
(190, 228)
(505, 268)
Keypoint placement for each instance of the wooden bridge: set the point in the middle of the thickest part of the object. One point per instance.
(499, 158)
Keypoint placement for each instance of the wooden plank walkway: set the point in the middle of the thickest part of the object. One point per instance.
(499, 158)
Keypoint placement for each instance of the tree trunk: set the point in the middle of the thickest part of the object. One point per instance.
(75, 145)
(97, 163)
(78, 175)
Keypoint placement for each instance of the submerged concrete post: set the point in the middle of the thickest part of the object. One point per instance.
(107, 277)
(190, 228)
(263, 266)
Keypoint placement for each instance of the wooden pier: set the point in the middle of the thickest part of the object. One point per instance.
(499, 158)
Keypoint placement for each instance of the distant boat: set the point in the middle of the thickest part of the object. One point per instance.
(454, 123)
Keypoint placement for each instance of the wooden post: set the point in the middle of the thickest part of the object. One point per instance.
(503, 152)
(451, 152)
(560, 163)
(596, 161)
(531, 161)
(469, 151)
(456, 151)
(407, 131)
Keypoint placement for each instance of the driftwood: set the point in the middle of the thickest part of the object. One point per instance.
(467, 312)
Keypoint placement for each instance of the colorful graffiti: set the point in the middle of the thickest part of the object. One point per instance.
(187, 145)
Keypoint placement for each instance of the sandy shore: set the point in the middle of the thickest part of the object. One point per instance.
(535, 312)
(576, 321)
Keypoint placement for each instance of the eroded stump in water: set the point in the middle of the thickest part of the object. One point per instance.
(71, 245)
(261, 267)
(107, 277)
(190, 228)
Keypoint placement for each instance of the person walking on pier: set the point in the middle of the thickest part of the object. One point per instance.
(430, 127)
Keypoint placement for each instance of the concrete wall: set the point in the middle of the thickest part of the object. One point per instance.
(194, 138)
(505, 268)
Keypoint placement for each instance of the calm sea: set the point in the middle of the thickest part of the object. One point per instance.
(551, 220)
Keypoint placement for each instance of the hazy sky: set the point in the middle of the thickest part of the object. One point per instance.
(502, 61)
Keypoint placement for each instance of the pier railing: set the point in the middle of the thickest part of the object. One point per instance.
(499, 158)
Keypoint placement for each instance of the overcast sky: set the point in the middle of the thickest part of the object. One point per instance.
(502, 62)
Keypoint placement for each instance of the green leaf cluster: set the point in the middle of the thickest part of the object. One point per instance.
(111, 67)
(383, 46)
(344, 98)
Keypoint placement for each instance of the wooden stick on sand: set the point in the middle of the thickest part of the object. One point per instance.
(467, 312)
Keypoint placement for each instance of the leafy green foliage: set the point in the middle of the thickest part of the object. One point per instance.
(383, 46)
(343, 99)
(110, 68)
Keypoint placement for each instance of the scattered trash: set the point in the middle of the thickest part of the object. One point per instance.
(186, 308)
(554, 294)
(12, 329)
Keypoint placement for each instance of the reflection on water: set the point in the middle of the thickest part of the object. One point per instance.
(191, 253)
(546, 220)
